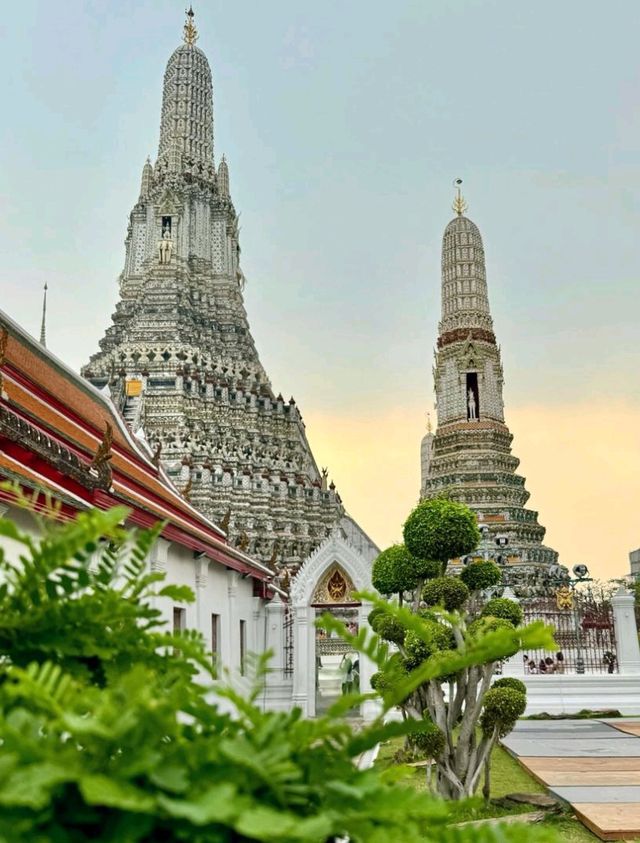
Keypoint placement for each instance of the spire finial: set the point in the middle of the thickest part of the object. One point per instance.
(459, 204)
(43, 326)
(190, 32)
(429, 427)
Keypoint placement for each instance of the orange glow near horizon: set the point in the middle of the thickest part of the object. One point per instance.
(580, 464)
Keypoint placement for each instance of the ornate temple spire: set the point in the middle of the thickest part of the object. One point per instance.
(186, 123)
(465, 303)
(147, 178)
(469, 456)
(43, 325)
(223, 177)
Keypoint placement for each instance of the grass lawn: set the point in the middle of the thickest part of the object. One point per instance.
(507, 776)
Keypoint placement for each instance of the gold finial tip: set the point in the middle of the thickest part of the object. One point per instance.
(190, 32)
(459, 203)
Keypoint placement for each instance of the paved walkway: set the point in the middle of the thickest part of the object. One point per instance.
(594, 765)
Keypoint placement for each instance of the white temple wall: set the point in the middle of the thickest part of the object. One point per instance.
(217, 591)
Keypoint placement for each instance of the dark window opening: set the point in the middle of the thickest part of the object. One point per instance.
(166, 224)
(243, 646)
(472, 396)
(215, 641)
(179, 619)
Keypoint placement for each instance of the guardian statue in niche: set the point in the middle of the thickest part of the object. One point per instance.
(165, 247)
(471, 401)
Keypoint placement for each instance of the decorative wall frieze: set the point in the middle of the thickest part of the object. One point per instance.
(67, 462)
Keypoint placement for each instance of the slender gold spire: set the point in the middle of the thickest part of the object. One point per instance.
(43, 326)
(190, 32)
(459, 203)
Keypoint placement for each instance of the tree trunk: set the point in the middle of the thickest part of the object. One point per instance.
(486, 788)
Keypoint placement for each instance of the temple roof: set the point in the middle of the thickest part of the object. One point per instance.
(61, 434)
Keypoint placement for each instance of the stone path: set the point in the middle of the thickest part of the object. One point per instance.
(593, 765)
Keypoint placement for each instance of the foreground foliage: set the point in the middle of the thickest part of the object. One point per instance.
(109, 731)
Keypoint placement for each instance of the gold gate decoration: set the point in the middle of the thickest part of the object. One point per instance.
(334, 587)
(564, 598)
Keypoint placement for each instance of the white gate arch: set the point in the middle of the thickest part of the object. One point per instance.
(334, 551)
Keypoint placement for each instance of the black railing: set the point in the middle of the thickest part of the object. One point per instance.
(584, 634)
(287, 669)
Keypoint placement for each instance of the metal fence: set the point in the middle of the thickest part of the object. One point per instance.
(287, 669)
(584, 633)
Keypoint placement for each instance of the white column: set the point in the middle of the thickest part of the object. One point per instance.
(233, 626)
(202, 576)
(371, 708)
(304, 671)
(624, 620)
(275, 633)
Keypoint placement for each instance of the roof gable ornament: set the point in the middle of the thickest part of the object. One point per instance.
(459, 203)
(100, 463)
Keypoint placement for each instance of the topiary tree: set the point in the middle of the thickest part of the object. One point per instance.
(394, 571)
(511, 682)
(502, 607)
(449, 592)
(502, 705)
(454, 643)
(441, 530)
(480, 575)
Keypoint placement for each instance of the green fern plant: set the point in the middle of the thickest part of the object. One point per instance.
(106, 735)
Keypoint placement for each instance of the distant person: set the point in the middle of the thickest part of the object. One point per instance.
(542, 667)
(532, 667)
(609, 659)
(551, 668)
(559, 663)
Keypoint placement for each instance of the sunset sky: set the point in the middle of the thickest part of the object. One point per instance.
(344, 125)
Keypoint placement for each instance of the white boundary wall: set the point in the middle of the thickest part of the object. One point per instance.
(568, 694)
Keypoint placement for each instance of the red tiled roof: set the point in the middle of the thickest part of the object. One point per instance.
(47, 410)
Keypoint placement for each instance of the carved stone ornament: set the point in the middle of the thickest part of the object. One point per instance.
(334, 587)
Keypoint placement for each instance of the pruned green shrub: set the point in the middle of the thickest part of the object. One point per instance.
(449, 592)
(480, 575)
(427, 569)
(430, 741)
(511, 682)
(394, 570)
(441, 529)
(502, 607)
(501, 709)
(389, 628)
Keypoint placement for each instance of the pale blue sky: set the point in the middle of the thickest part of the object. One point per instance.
(344, 125)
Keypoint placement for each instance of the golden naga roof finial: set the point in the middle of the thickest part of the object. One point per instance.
(190, 32)
(459, 204)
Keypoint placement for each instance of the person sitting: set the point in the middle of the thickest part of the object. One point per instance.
(550, 665)
(542, 667)
(559, 663)
(532, 668)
